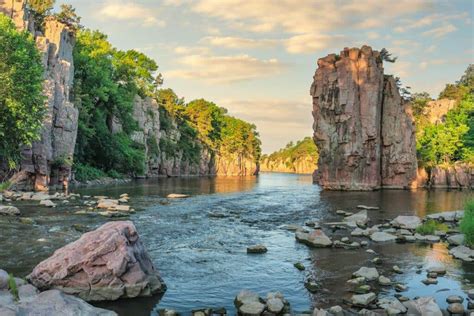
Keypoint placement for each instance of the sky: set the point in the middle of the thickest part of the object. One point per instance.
(257, 58)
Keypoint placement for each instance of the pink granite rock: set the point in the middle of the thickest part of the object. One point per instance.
(106, 264)
(362, 127)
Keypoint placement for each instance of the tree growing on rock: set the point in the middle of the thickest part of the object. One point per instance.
(386, 56)
(21, 101)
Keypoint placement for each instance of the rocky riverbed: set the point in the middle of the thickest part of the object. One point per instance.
(232, 234)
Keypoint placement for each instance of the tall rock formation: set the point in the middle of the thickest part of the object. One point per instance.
(47, 163)
(362, 127)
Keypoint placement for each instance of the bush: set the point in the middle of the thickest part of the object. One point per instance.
(13, 287)
(4, 186)
(467, 223)
(85, 172)
(430, 227)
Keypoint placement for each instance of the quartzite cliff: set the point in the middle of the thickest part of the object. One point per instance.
(362, 126)
(48, 161)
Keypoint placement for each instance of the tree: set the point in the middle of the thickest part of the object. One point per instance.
(386, 56)
(21, 101)
(41, 7)
(68, 16)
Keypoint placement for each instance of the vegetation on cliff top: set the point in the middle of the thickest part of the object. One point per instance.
(21, 100)
(289, 156)
(453, 139)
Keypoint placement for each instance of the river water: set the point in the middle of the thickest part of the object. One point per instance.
(199, 244)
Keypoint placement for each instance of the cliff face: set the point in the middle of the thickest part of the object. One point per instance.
(166, 157)
(48, 162)
(358, 120)
(303, 165)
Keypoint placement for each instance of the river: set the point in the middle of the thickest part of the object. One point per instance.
(199, 244)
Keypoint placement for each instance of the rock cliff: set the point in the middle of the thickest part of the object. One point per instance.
(165, 155)
(47, 163)
(362, 127)
(304, 165)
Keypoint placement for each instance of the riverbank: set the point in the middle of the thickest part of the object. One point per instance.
(205, 237)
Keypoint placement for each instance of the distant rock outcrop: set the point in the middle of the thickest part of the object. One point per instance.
(47, 163)
(362, 127)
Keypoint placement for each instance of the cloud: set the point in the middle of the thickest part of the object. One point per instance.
(431, 19)
(239, 42)
(440, 31)
(131, 12)
(310, 43)
(278, 121)
(225, 69)
(308, 16)
(372, 35)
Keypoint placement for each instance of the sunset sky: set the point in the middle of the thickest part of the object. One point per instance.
(257, 58)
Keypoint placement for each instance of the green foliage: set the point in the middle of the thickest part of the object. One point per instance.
(40, 9)
(4, 186)
(153, 148)
(467, 223)
(68, 16)
(446, 143)
(292, 153)
(241, 138)
(21, 100)
(430, 227)
(86, 172)
(12, 287)
(106, 83)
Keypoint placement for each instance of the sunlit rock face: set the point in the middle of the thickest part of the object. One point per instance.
(47, 163)
(362, 127)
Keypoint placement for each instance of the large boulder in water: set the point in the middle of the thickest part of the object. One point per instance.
(105, 264)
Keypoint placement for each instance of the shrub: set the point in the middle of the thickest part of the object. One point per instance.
(85, 172)
(467, 223)
(4, 186)
(13, 287)
(429, 227)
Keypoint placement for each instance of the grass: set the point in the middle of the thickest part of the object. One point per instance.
(430, 226)
(467, 223)
(4, 186)
(12, 286)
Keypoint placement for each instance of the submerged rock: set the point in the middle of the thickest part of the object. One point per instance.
(423, 306)
(358, 219)
(47, 203)
(105, 264)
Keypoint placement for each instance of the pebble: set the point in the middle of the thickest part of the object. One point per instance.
(257, 249)
(429, 281)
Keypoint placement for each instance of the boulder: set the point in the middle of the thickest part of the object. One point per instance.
(423, 306)
(107, 203)
(456, 240)
(257, 249)
(47, 203)
(363, 299)
(382, 237)
(392, 305)
(316, 238)
(462, 252)
(105, 264)
(369, 274)
(452, 216)
(407, 222)
(9, 210)
(358, 219)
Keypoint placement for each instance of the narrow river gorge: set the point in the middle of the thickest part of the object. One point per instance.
(199, 244)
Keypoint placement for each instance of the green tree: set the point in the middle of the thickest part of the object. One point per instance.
(41, 7)
(21, 100)
(68, 16)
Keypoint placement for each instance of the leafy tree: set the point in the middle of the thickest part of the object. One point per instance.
(21, 100)
(68, 16)
(106, 82)
(168, 99)
(42, 7)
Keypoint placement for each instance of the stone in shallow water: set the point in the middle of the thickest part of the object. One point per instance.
(3, 279)
(437, 268)
(462, 252)
(456, 308)
(456, 240)
(257, 249)
(430, 281)
(407, 222)
(252, 309)
(382, 237)
(105, 264)
(246, 296)
(384, 280)
(363, 299)
(47, 203)
(454, 299)
(316, 239)
(275, 305)
(365, 207)
(369, 274)
(177, 196)
(423, 306)
(392, 305)
(299, 266)
(9, 210)
(358, 219)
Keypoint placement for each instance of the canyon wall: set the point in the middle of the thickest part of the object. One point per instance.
(362, 127)
(47, 163)
(303, 165)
